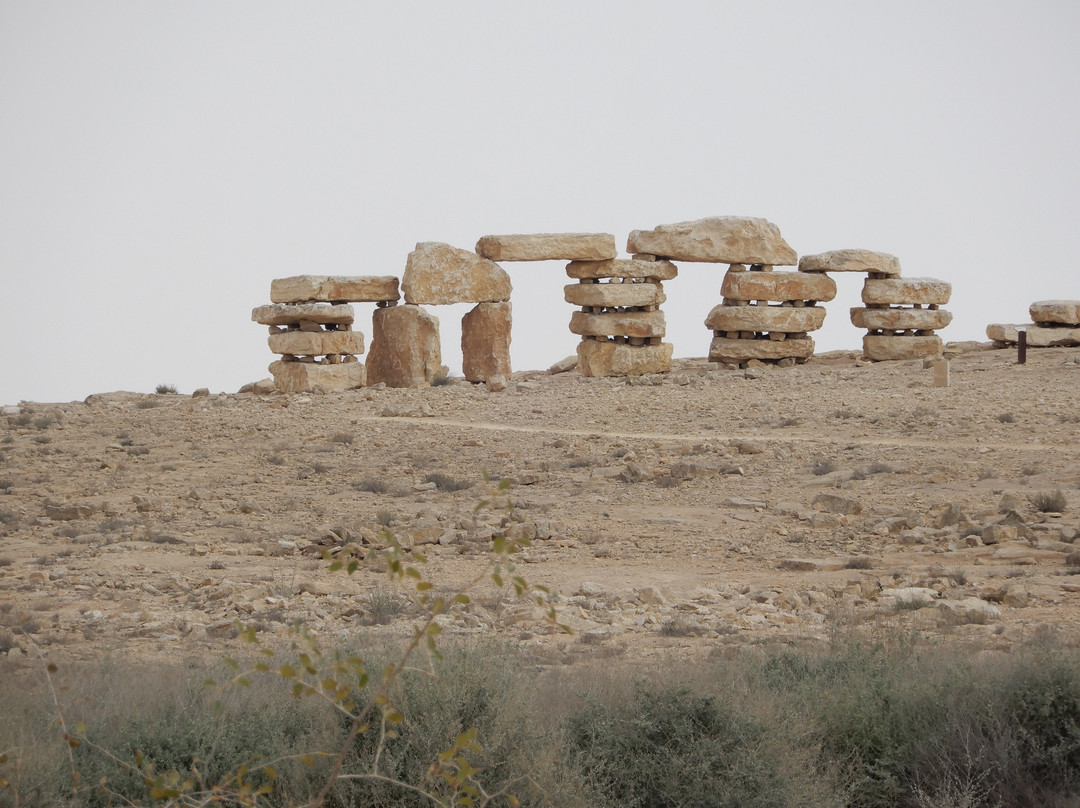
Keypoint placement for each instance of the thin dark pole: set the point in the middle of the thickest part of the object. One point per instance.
(1021, 347)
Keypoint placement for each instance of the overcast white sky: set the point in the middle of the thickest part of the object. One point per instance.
(161, 162)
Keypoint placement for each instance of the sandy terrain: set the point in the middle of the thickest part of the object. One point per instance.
(700, 510)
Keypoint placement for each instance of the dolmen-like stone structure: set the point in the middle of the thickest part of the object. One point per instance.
(311, 328)
(901, 315)
(1055, 323)
(765, 315)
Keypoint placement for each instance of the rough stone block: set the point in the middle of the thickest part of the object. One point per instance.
(622, 268)
(437, 273)
(485, 342)
(778, 286)
(291, 314)
(308, 377)
(892, 319)
(1037, 336)
(618, 324)
(765, 318)
(734, 351)
(614, 294)
(405, 347)
(906, 291)
(334, 289)
(598, 358)
(719, 239)
(880, 348)
(1056, 312)
(851, 261)
(548, 247)
(316, 343)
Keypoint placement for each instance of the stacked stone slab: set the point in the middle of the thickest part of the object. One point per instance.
(1055, 323)
(765, 315)
(901, 315)
(311, 328)
(405, 346)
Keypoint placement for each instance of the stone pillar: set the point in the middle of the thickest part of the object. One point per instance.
(898, 326)
(485, 341)
(405, 347)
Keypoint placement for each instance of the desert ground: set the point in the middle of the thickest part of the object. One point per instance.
(704, 510)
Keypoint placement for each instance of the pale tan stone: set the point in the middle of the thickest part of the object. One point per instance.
(906, 291)
(606, 295)
(1037, 336)
(719, 239)
(765, 318)
(334, 289)
(309, 377)
(893, 319)
(485, 342)
(851, 261)
(618, 324)
(622, 268)
(602, 358)
(405, 347)
(1063, 312)
(291, 314)
(881, 348)
(778, 286)
(316, 343)
(734, 351)
(548, 247)
(437, 273)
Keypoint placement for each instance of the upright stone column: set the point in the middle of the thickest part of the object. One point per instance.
(405, 347)
(901, 317)
(485, 341)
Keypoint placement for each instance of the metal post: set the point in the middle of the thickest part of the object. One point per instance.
(1021, 347)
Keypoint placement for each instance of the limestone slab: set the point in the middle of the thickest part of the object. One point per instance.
(439, 274)
(317, 343)
(718, 239)
(1058, 312)
(734, 351)
(607, 295)
(334, 289)
(880, 348)
(308, 377)
(851, 261)
(778, 286)
(1037, 336)
(906, 291)
(765, 318)
(485, 341)
(622, 268)
(618, 324)
(902, 319)
(600, 358)
(405, 347)
(291, 314)
(548, 247)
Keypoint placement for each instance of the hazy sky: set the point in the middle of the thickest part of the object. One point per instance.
(161, 162)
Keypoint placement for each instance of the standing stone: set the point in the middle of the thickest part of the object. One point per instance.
(548, 247)
(405, 348)
(719, 240)
(485, 342)
(437, 273)
(852, 261)
(334, 289)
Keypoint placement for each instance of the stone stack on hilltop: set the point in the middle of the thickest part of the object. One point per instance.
(1054, 323)
(896, 322)
(765, 315)
(311, 328)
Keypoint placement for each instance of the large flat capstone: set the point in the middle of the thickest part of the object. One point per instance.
(851, 261)
(718, 239)
(334, 289)
(1037, 336)
(439, 274)
(548, 247)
